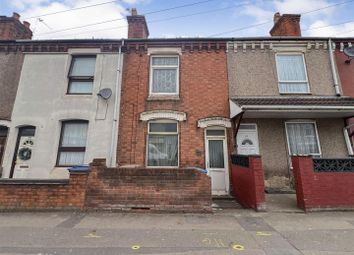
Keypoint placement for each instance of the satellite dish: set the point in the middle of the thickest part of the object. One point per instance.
(349, 51)
(105, 93)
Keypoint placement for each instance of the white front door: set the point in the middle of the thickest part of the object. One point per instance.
(216, 160)
(247, 140)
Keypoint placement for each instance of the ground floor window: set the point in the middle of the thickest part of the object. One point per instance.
(162, 143)
(72, 145)
(302, 138)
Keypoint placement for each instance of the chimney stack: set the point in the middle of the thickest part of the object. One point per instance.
(11, 28)
(137, 27)
(286, 25)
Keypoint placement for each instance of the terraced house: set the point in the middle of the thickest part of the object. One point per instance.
(58, 101)
(10, 68)
(174, 106)
(286, 99)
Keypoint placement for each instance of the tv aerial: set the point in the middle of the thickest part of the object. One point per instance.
(349, 51)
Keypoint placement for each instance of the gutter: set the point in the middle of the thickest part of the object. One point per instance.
(333, 67)
(297, 107)
(112, 155)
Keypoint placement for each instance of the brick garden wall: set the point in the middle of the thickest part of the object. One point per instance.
(248, 181)
(321, 190)
(186, 190)
(153, 189)
(43, 194)
(203, 93)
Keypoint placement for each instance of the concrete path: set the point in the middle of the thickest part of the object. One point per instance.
(224, 232)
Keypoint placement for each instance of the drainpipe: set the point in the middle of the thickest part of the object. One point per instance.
(333, 67)
(112, 158)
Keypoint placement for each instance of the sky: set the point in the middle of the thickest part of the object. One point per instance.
(179, 18)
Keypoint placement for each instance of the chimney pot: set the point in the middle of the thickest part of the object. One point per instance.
(276, 17)
(27, 24)
(134, 12)
(16, 16)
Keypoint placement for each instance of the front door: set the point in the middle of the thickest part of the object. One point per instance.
(247, 140)
(216, 160)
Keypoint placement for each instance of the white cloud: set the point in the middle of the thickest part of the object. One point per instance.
(322, 28)
(302, 6)
(260, 14)
(45, 29)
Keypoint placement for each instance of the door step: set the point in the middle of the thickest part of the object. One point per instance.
(223, 197)
(221, 204)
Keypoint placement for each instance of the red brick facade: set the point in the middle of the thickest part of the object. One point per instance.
(321, 190)
(248, 183)
(345, 71)
(203, 93)
(346, 76)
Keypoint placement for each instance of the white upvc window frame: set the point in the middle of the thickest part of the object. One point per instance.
(316, 132)
(164, 67)
(161, 133)
(289, 81)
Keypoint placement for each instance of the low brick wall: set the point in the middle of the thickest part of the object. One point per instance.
(330, 185)
(248, 181)
(16, 194)
(186, 190)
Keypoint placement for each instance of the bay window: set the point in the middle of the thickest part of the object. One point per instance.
(292, 77)
(72, 144)
(162, 144)
(164, 75)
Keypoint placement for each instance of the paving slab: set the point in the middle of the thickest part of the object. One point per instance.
(161, 221)
(322, 240)
(254, 224)
(305, 222)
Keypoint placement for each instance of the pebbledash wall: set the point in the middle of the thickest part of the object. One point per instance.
(258, 57)
(203, 93)
(42, 101)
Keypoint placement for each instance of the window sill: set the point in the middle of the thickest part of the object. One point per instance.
(163, 97)
(298, 93)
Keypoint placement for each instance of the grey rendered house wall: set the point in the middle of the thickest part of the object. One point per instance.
(10, 70)
(273, 145)
(253, 73)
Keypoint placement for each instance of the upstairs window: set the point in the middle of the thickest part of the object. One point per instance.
(162, 143)
(292, 75)
(72, 145)
(164, 72)
(81, 75)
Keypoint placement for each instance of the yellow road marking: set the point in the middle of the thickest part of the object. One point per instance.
(259, 233)
(238, 247)
(135, 247)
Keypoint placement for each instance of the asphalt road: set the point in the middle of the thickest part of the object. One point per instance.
(225, 232)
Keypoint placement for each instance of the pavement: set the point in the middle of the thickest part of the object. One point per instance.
(230, 231)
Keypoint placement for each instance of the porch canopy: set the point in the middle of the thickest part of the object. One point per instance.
(292, 107)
